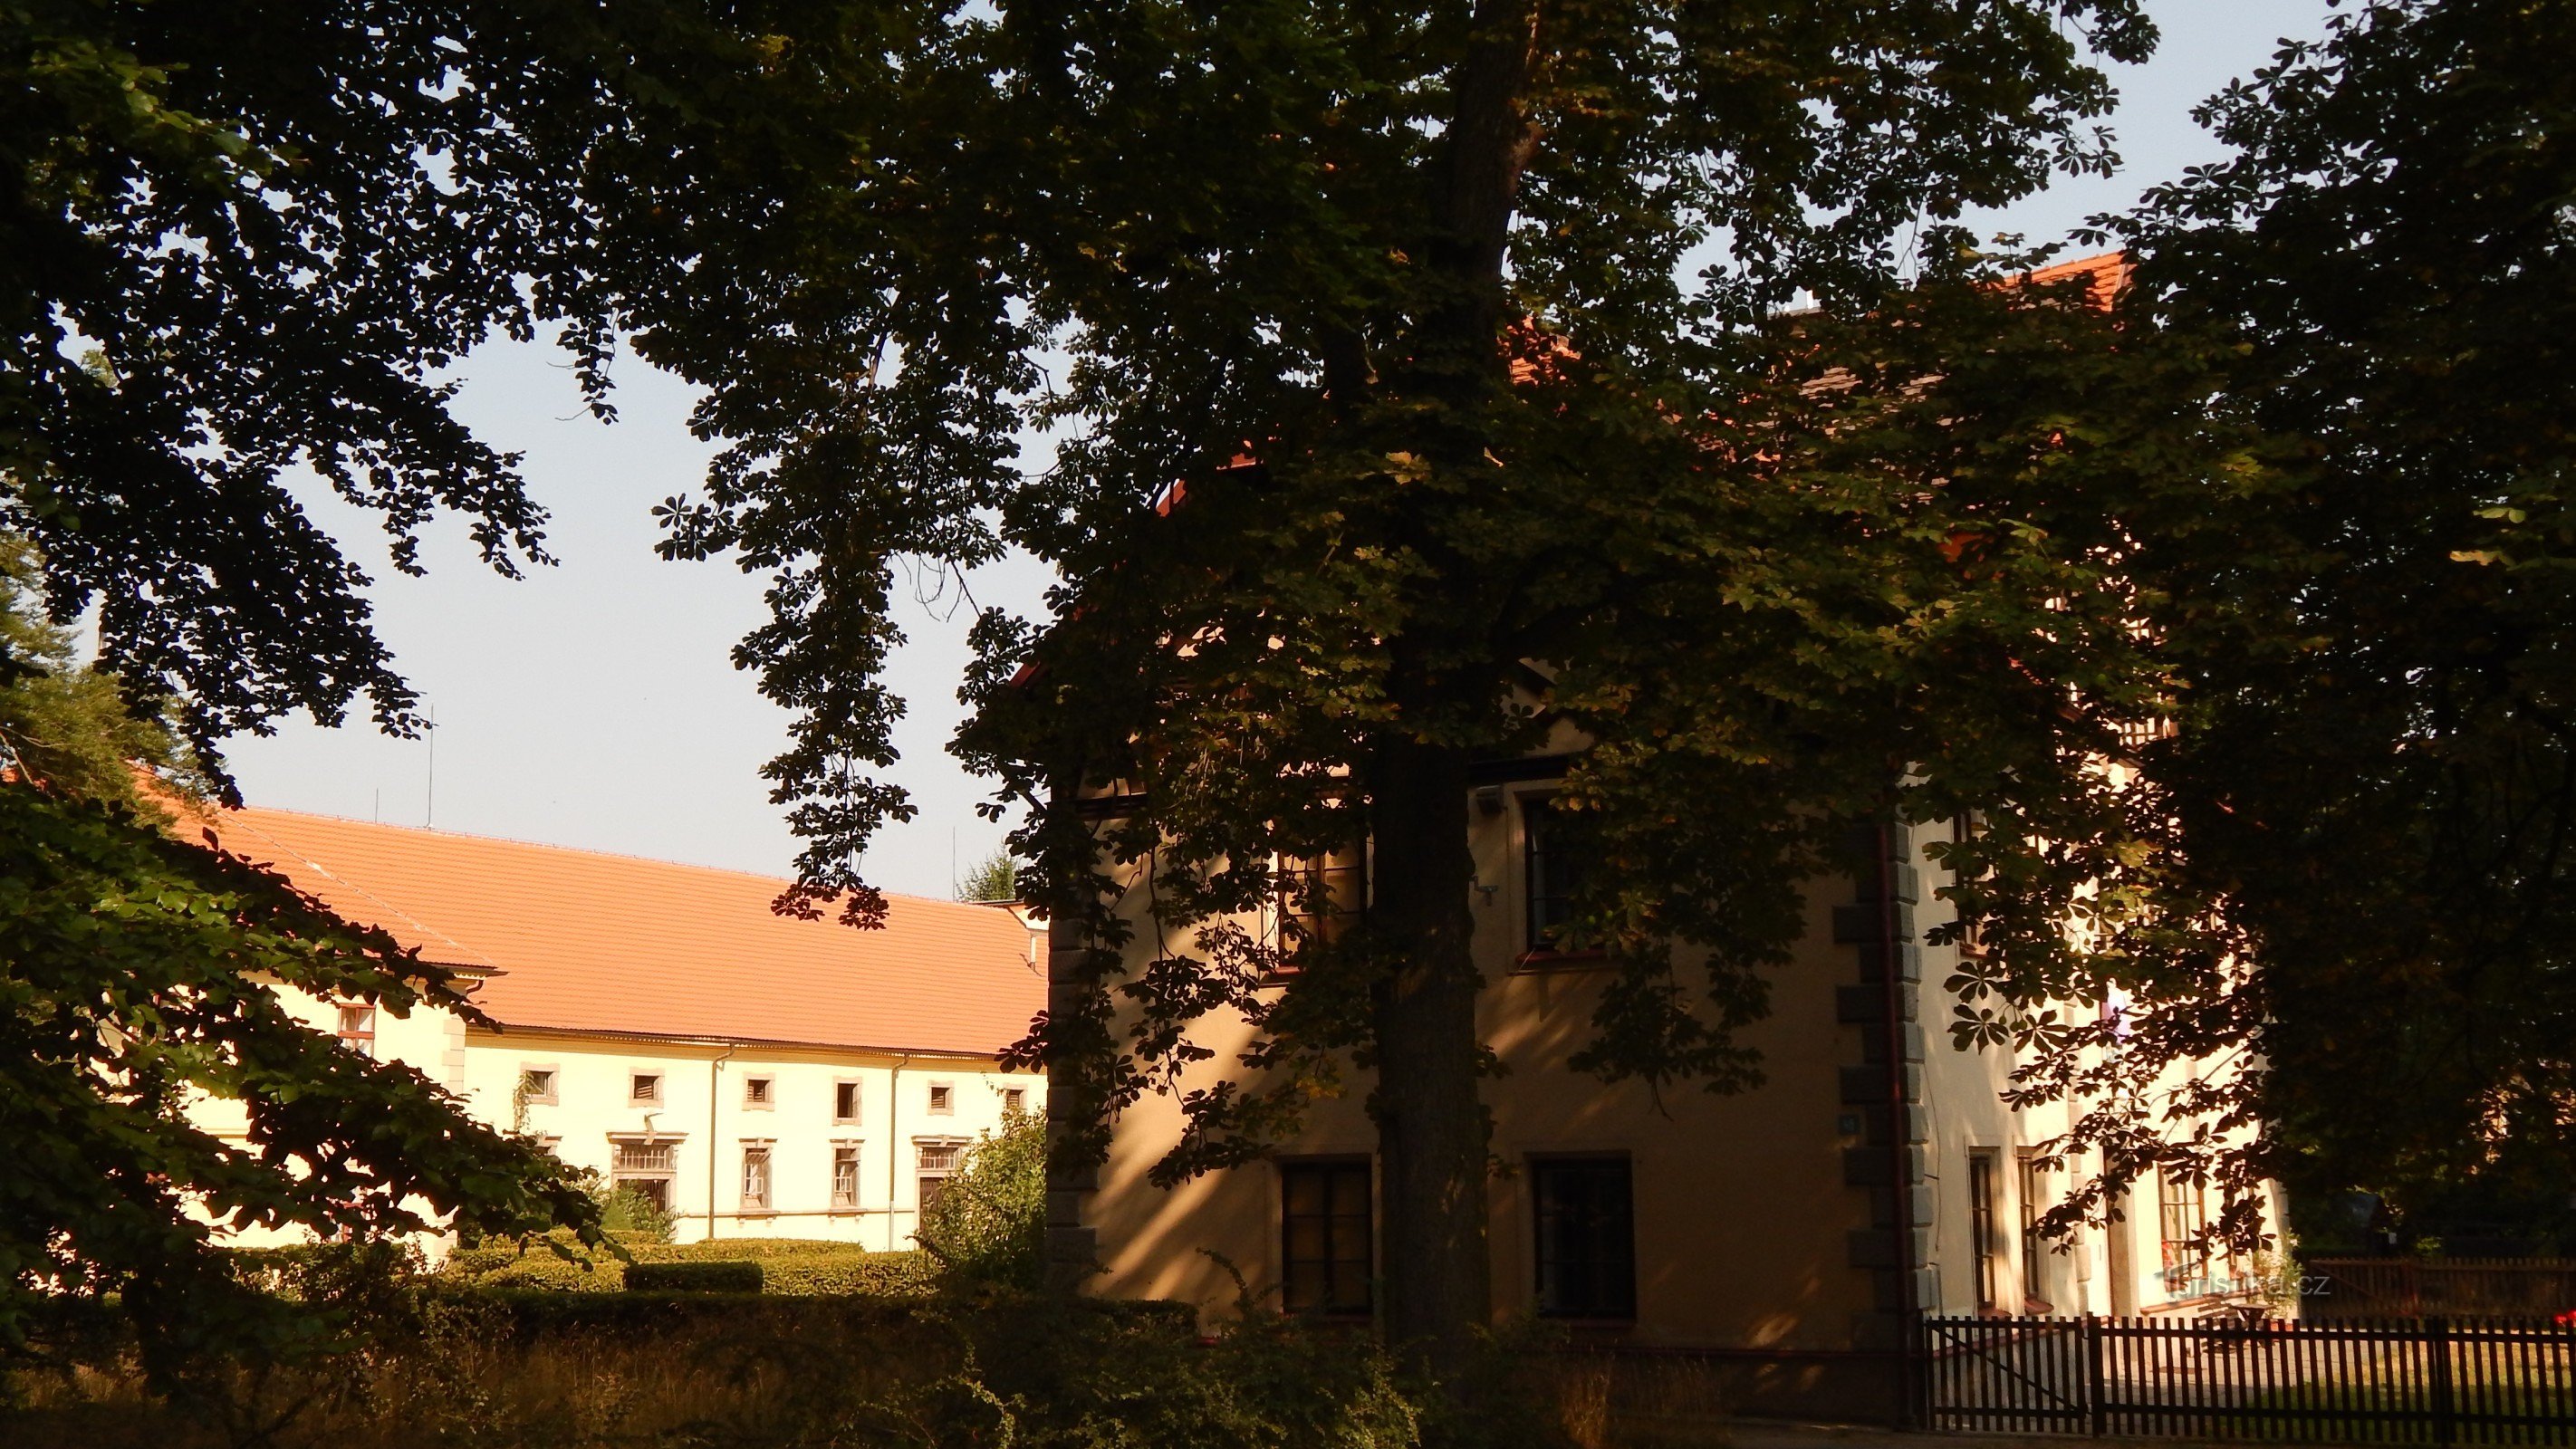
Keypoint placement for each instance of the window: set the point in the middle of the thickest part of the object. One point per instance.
(845, 1175)
(845, 1101)
(1981, 1231)
(644, 1167)
(942, 1098)
(755, 1092)
(644, 1087)
(936, 1161)
(2037, 1255)
(1325, 1225)
(2179, 1220)
(1321, 897)
(1587, 1259)
(755, 1177)
(1964, 830)
(1015, 1100)
(357, 1029)
(537, 1085)
(1549, 874)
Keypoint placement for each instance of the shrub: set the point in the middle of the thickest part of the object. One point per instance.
(697, 1277)
(882, 1274)
(802, 1266)
(988, 1225)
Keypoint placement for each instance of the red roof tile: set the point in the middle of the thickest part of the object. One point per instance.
(585, 941)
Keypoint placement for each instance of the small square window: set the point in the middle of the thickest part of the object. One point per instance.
(645, 1087)
(357, 1029)
(845, 1101)
(1015, 1100)
(942, 1098)
(755, 1091)
(537, 1085)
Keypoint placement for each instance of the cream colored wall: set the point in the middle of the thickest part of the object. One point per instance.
(594, 1107)
(1748, 1231)
(1967, 1113)
(1740, 1209)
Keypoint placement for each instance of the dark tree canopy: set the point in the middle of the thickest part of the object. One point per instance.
(2368, 805)
(235, 240)
(1386, 353)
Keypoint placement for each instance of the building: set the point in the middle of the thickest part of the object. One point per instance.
(1783, 1232)
(755, 1074)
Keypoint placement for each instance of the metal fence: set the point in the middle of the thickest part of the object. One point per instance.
(2427, 1381)
(2452, 1287)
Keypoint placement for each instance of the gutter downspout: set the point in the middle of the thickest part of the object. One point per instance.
(894, 1124)
(1900, 1124)
(715, 1066)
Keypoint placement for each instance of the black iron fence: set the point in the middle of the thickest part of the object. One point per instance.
(2423, 1381)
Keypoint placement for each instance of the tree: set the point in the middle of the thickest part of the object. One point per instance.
(140, 977)
(995, 878)
(989, 1223)
(234, 243)
(1397, 360)
(2354, 881)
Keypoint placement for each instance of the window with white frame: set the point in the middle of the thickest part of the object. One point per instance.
(845, 1175)
(755, 1177)
(357, 1028)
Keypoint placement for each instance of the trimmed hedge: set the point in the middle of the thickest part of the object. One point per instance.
(796, 1266)
(704, 1276)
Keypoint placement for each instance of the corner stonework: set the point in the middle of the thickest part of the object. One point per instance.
(1885, 1089)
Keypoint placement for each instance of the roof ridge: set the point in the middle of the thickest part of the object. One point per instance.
(595, 853)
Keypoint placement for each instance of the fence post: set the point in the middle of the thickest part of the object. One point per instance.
(2437, 1336)
(2093, 1395)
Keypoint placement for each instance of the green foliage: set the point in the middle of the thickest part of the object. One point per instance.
(772, 1373)
(67, 725)
(995, 878)
(716, 1276)
(802, 1267)
(141, 974)
(239, 246)
(1465, 279)
(989, 1223)
(631, 1215)
(2342, 900)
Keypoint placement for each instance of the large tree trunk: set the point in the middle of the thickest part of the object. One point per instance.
(1432, 1127)
(1433, 1132)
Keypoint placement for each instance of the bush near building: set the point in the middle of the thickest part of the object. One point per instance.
(795, 1266)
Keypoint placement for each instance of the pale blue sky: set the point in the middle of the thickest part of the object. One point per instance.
(593, 704)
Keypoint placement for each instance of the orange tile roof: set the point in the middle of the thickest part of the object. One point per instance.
(585, 941)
